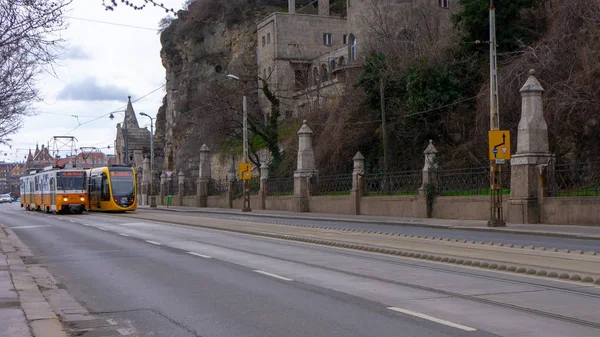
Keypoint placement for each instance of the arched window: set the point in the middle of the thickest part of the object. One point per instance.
(332, 65)
(324, 73)
(353, 43)
(315, 76)
(341, 61)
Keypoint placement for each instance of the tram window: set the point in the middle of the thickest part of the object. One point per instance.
(105, 193)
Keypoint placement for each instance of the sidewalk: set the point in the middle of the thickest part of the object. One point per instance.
(578, 232)
(24, 312)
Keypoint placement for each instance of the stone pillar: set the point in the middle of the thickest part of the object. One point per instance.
(230, 184)
(264, 176)
(324, 8)
(204, 175)
(358, 186)
(430, 178)
(145, 181)
(430, 169)
(292, 6)
(533, 153)
(305, 172)
(163, 188)
(180, 187)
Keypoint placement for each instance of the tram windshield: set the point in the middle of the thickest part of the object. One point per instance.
(122, 183)
(71, 180)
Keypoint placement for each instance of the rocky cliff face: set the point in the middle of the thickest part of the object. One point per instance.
(200, 48)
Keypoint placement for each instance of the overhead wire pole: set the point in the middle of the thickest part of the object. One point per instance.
(496, 212)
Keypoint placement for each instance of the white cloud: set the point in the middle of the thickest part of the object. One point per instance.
(89, 89)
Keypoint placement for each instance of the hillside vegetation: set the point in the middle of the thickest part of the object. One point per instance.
(442, 96)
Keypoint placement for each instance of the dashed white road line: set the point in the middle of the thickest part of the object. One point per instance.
(103, 229)
(433, 319)
(154, 242)
(123, 234)
(111, 321)
(201, 255)
(273, 275)
(123, 332)
(87, 224)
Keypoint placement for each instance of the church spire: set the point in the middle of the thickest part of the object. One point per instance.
(130, 118)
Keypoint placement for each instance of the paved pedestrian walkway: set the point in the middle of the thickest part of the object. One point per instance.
(24, 312)
(582, 232)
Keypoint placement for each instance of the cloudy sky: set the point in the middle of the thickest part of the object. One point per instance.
(101, 65)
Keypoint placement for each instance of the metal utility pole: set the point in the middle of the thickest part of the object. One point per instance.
(496, 212)
(125, 136)
(383, 126)
(152, 197)
(246, 187)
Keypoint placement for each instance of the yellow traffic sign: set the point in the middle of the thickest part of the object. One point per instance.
(245, 171)
(499, 144)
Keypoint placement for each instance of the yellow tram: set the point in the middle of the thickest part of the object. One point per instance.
(112, 189)
(54, 190)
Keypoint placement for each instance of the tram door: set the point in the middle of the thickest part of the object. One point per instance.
(53, 193)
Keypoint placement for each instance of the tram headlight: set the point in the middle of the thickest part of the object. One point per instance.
(82, 199)
(65, 199)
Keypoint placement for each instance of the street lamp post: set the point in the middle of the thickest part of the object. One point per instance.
(152, 198)
(246, 192)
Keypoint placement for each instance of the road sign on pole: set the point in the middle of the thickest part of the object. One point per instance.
(245, 171)
(499, 145)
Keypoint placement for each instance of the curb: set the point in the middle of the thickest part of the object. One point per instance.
(419, 255)
(387, 223)
(42, 321)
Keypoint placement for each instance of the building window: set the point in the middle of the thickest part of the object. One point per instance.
(327, 39)
(315, 76)
(268, 38)
(332, 65)
(353, 44)
(324, 73)
(263, 41)
(444, 3)
(341, 61)
(345, 38)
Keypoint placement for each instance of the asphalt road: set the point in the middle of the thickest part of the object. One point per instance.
(516, 239)
(170, 280)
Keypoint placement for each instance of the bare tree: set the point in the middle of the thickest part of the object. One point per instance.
(28, 43)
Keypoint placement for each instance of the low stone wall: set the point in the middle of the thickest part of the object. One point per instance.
(557, 210)
(330, 204)
(409, 206)
(464, 208)
(283, 203)
(571, 211)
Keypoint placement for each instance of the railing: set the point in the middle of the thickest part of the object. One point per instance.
(189, 187)
(340, 184)
(393, 183)
(579, 179)
(470, 181)
(238, 187)
(217, 187)
(280, 186)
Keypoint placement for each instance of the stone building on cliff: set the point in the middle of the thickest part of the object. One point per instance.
(307, 54)
(132, 142)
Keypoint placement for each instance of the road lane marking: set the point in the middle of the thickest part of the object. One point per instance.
(32, 226)
(201, 255)
(111, 321)
(87, 224)
(154, 242)
(103, 229)
(273, 275)
(123, 234)
(433, 319)
(123, 332)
